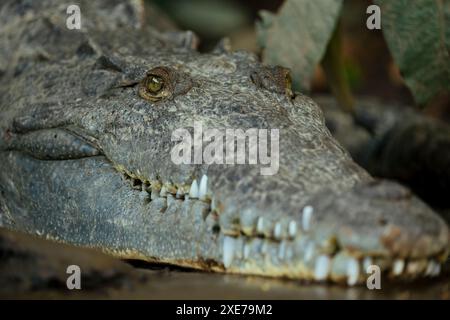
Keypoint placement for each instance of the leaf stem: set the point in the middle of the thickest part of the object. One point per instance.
(333, 65)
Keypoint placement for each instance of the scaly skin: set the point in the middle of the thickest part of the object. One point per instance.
(85, 155)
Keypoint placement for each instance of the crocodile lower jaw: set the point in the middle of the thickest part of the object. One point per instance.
(302, 259)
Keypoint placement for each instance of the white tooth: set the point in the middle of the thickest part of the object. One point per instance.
(433, 269)
(154, 195)
(163, 192)
(170, 199)
(213, 204)
(309, 251)
(292, 229)
(430, 268)
(398, 267)
(322, 267)
(306, 217)
(246, 250)
(264, 247)
(238, 248)
(289, 253)
(282, 250)
(367, 262)
(228, 251)
(412, 267)
(193, 192)
(437, 270)
(260, 225)
(203, 187)
(352, 272)
(180, 193)
(277, 231)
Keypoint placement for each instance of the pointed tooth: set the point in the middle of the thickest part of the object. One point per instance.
(213, 204)
(170, 199)
(352, 271)
(367, 262)
(282, 250)
(306, 217)
(246, 250)
(247, 222)
(430, 268)
(170, 188)
(322, 267)
(309, 251)
(277, 231)
(414, 267)
(264, 247)
(437, 269)
(238, 248)
(292, 229)
(180, 193)
(203, 187)
(155, 187)
(260, 225)
(163, 192)
(433, 269)
(193, 192)
(289, 253)
(422, 266)
(398, 267)
(228, 251)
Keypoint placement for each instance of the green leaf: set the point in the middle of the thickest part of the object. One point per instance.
(418, 35)
(297, 36)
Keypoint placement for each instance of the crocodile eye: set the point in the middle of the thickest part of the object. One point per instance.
(163, 83)
(154, 84)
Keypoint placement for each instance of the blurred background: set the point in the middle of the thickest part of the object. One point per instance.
(368, 64)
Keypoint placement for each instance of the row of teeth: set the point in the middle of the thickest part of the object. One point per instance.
(282, 230)
(199, 190)
(321, 265)
(157, 189)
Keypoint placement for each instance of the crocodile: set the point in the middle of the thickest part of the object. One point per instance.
(87, 118)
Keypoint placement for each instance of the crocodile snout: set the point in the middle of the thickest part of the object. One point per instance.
(338, 235)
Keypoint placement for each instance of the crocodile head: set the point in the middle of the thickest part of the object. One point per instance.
(88, 159)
